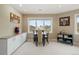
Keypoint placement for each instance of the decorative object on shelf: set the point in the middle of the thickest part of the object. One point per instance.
(64, 21)
(14, 17)
(16, 30)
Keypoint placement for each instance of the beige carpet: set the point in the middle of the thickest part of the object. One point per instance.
(53, 48)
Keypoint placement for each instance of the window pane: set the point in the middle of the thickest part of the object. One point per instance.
(47, 25)
(32, 24)
(48, 22)
(77, 19)
(39, 23)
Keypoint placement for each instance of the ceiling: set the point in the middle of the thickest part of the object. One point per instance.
(44, 8)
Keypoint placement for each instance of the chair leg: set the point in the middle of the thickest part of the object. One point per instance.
(36, 42)
(47, 40)
(71, 42)
(43, 42)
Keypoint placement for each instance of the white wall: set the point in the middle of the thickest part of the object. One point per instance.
(71, 28)
(6, 27)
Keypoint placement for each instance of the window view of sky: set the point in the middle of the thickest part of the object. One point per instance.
(47, 22)
(32, 22)
(43, 23)
(39, 22)
(77, 19)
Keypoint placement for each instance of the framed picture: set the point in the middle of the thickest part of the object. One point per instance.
(14, 17)
(64, 21)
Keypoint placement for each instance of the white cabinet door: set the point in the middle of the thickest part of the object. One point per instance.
(24, 36)
(10, 47)
(15, 42)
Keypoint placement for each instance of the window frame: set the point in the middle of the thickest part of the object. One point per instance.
(75, 26)
(50, 18)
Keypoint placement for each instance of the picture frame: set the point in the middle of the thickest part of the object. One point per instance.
(14, 17)
(64, 21)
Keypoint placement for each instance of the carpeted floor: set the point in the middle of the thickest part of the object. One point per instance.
(53, 48)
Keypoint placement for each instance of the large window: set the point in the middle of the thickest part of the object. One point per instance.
(44, 23)
(48, 25)
(77, 24)
(32, 24)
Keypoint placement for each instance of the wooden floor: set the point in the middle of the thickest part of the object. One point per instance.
(53, 48)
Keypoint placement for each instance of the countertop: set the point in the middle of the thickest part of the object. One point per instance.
(6, 37)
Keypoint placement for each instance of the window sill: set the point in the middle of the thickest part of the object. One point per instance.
(48, 32)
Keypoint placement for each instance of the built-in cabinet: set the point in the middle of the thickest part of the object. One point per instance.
(65, 38)
(9, 45)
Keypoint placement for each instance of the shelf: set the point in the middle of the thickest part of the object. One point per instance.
(65, 38)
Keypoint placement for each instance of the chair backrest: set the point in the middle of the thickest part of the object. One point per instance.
(45, 33)
(39, 35)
